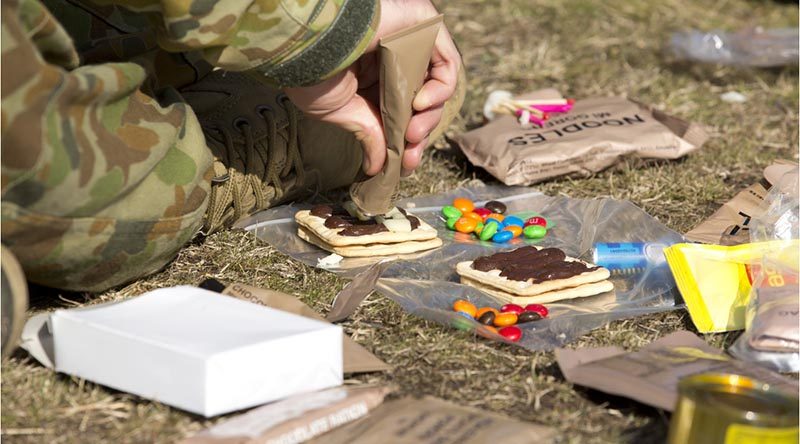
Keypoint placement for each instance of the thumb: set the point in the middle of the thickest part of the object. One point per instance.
(363, 120)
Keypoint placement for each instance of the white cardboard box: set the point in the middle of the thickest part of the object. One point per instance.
(197, 350)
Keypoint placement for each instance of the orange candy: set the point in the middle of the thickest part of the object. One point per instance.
(491, 329)
(463, 204)
(483, 310)
(516, 229)
(505, 319)
(466, 307)
(496, 216)
(465, 225)
(475, 216)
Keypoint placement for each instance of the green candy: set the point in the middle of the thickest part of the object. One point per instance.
(488, 231)
(450, 212)
(451, 222)
(534, 232)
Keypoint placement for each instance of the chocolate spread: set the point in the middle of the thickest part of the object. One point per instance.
(531, 263)
(338, 217)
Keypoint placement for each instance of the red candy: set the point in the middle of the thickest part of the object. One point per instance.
(482, 212)
(536, 220)
(512, 333)
(537, 308)
(512, 308)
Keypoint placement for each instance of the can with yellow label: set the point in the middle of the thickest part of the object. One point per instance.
(716, 408)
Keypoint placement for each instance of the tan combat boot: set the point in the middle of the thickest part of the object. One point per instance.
(266, 152)
(14, 299)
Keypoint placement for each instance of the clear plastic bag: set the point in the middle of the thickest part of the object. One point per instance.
(751, 47)
(772, 335)
(427, 284)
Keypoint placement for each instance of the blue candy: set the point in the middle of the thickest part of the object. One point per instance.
(502, 236)
(513, 220)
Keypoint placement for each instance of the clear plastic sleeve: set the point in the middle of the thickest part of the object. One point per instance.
(750, 47)
(427, 284)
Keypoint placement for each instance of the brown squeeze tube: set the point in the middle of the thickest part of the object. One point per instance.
(404, 58)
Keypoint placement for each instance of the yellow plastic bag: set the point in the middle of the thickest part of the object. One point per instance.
(715, 281)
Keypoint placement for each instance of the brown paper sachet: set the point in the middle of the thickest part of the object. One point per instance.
(729, 225)
(347, 301)
(592, 136)
(651, 374)
(296, 419)
(356, 359)
(404, 57)
(434, 421)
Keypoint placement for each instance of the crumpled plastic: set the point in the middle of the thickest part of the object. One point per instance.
(426, 284)
(775, 293)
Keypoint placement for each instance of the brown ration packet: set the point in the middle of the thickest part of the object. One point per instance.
(294, 420)
(434, 421)
(651, 374)
(730, 224)
(590, 138)
(356, 359)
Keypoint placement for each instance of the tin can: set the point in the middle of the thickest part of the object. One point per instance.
(628, 257)
(716, 408)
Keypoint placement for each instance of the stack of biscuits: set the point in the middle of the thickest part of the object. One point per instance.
(335, 229)
(534, 275)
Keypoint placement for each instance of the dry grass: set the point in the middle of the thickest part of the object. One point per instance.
(581, 47)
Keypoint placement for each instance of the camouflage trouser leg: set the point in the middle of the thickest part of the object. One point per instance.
(100, 183)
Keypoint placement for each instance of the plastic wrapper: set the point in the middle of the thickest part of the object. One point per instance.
(426, 284)
(772, 336)
(751, 47)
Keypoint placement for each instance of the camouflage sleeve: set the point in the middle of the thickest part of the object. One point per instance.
(289, 42)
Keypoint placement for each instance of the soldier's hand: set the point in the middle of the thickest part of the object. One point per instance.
(350, 99)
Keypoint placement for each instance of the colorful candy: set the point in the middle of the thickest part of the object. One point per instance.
(465, 225)
(473, 215)
(534, 231)
(537, 308)
(512, 333)
(513, 220)
(487, 318)
(505, 319)
(490, 223)
(463, 204)
(511, 308)
(483, 310)
(451, 222)
(465, 307)
(489, 229)
(536, 220)
(450, 212)
(528, 316)
(502, 236)
(495, 206)
(482, 212)
(496, 216)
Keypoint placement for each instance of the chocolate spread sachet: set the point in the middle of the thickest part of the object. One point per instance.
(404, 58)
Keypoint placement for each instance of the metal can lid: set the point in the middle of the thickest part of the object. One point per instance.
(739, 396)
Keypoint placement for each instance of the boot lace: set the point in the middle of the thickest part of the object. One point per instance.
(236, 194)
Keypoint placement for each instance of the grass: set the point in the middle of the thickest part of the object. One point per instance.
(583, 48)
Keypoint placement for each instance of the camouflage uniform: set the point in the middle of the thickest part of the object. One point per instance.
(105, 169)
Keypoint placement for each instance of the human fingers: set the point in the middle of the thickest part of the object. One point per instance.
(422, 123)
(444, 65)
